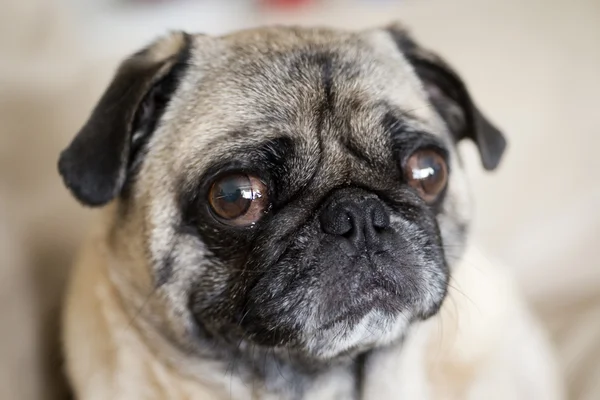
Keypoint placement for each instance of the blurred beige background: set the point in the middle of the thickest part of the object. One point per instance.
(532, 65)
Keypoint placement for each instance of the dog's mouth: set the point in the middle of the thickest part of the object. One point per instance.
(326, 316)
(361, 311)
(323, 296)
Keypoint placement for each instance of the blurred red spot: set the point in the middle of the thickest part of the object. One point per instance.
(285, 3)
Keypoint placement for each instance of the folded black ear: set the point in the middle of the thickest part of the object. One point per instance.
(449, 95)
(95, 165)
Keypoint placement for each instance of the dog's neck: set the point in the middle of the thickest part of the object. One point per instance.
(123, 334)
(289, 375)
(241, 370)
(267, 374)
(111, 353)
(244, 370)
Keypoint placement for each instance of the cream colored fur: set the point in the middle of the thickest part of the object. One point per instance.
(484, 344)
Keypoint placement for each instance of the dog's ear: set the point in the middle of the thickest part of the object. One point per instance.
(449, 95)
(95, 165)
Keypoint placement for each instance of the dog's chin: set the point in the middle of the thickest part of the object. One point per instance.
(325, 334)
(331, 315)
(355, 333)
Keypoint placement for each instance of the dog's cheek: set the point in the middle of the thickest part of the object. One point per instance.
(455, 216)
(210, 306)
(276, 297)
(194, 282)
(425, 273)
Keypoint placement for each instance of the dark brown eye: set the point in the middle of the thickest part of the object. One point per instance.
(427, 172)
(238, 199)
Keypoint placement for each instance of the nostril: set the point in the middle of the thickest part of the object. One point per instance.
(380, 220)
(344, 225)
(379, 217)
(355, 219)
(337, 222)
(350, 231)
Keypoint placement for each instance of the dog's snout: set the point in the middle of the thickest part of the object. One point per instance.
(358, 219)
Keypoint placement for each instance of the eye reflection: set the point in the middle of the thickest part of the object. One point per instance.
(426, 171)
(238, 199)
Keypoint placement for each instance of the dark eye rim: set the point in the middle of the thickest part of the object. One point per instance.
(197, 218)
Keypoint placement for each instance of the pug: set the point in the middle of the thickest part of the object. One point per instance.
(285, 217)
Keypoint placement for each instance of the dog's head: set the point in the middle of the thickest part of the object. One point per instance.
(291, 188)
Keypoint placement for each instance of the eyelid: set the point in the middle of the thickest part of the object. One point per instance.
(406, 144)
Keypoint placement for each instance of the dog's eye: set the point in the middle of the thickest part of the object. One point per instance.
(238, 199)
(427, 172)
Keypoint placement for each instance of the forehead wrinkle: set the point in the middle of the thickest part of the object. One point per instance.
(288, 83)
(310, 114)
(365, 137)
(347, 124)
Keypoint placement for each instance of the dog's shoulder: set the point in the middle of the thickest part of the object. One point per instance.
(484, 344)
(486, 334)
(106, 357)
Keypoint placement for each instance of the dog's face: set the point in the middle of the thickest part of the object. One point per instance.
(289, 188)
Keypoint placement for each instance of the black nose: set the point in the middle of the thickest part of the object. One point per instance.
(357, 217)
